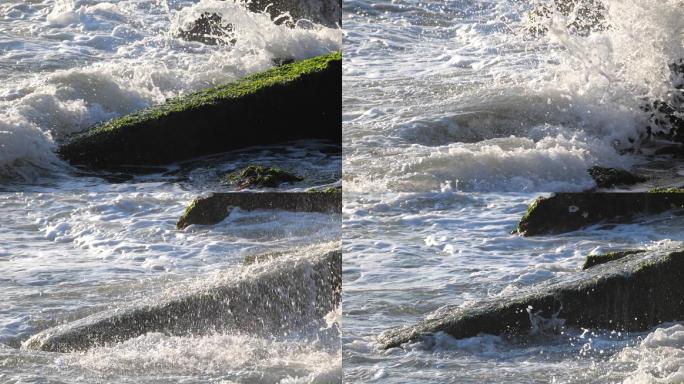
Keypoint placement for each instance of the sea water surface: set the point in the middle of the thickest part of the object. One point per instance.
(455, 119)
(74, 242)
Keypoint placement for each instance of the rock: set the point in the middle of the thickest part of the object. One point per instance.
(633, 293)
(665, 116)
(585, 16)
(564, 212)
(208, 29)
(611, 177)
(593, 260)
(292, 102)
(261, 177)
(272, 298)
(324, 12)
(216, 207)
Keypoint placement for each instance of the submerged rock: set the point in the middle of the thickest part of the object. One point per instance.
(208, 29)
(271, 298)
(633, 293)
(298, 101)
(611, 177)
(564, 212)
(260, 177)
(216, 207)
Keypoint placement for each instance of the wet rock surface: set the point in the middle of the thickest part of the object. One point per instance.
(594, 260)
(271, 298)
(633, 293)
(611, 177)
(584, 16)
(324, 12)
(208, 29)
(564, 212)
(216, 207)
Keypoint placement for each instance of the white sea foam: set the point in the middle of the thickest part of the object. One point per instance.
(659, 358)
(418, 97)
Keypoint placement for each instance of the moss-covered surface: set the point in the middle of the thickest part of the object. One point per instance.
(611, 177)
(522, 224)
(563, 212)
(261, 177)
(333, 190)
(297, 101)
(594, 260)
(666, 190)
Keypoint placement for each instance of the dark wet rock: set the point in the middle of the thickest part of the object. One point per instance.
(279, 62)
(324, 12)
(633, 293)
(216, 207)
(564, 212)
(665, 116)
(292, 102)
(267, 299)
(611, 177)
(594, 260)
(261, 177)
(208, 29)
(587, 16)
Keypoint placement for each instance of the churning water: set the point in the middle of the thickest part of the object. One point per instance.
(455, 118)
(73, 243)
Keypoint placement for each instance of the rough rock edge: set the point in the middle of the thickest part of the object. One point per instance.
(633, 293)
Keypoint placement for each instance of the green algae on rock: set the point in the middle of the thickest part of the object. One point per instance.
(611, 177)
(302, 100)
(593, 260)
(216, 207)
(564, 212)
(260, 177)
(633, 293)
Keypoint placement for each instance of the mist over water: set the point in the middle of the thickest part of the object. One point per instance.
(455, 118)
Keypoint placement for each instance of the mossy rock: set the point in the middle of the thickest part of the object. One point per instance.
(261, 177)
(594, 260)
(564, 212)
(633, 293)
(666, 190)
(298, 101)
(611, 177)
(216, 207)
(332, 190)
